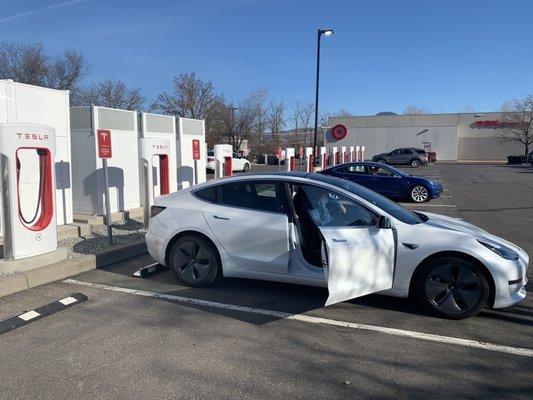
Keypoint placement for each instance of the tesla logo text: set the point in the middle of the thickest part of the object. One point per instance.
(159, 146)
(32, 136)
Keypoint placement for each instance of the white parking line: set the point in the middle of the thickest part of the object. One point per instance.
(520, 351)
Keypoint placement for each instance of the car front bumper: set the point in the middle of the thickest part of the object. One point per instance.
(510, 279)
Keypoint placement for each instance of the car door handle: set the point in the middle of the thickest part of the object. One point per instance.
(217, 217)
(339, 240)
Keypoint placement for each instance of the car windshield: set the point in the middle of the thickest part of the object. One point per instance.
(210, 153)
(390, 207)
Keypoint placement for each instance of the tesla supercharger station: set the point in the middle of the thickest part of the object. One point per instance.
(156, 126)
(223, 160)
(289, 158)
(357, 153)
(154, 155)
(323, 153)
(362, 158)
(309, 159)
(333, 158)
(343, 155)
(23, 103)
(351, 150)
(190, 141)
(27, 183)
(88, 181)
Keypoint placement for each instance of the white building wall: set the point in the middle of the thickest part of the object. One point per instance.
(452, 136)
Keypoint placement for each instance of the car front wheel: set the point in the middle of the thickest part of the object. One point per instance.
(419, 194)
(452, 288)
(382, 161)
(194, 261)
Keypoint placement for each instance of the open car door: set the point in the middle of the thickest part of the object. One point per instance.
(357, 261)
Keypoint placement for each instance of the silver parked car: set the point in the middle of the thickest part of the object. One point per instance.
(407, 155)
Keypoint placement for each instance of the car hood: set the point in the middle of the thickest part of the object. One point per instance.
(460, 225)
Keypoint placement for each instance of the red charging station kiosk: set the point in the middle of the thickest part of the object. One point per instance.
(290, 158)
(28, 196)
(223, 160)
(154, 155)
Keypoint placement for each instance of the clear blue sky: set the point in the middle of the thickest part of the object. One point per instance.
(385, 55)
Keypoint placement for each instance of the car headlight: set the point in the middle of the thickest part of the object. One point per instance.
(502, 251)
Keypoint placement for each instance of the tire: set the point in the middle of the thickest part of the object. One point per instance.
(415, 163)
(194, 261)
(419, 194)
(452, 288)
(246, 167)
(382, 161)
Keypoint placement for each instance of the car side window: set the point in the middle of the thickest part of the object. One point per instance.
(395, 153)
(328, 208)
(208, 194)
(261, 196)
(379, 171)
(351, 169)
(406, 151)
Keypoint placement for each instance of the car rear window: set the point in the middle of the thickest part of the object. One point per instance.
(419, 151)
(208, 194)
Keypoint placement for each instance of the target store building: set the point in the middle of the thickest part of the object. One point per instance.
(462, 136)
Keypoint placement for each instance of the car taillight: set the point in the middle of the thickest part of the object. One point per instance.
(210, 158)
(154, 210)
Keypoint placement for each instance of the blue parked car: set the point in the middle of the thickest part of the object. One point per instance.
(388, 181)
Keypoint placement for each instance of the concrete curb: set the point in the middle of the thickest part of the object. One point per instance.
(67, 268)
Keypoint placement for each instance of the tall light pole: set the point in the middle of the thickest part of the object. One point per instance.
(326, 32)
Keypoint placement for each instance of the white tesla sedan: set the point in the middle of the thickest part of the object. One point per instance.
(318, 230)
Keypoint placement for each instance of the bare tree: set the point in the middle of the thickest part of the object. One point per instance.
(257, 101)
(276, 119)
(306, 116)
(66, 71)
(413, 110)
(29, 63)
(192, 97)
(241, 124)
(112, 94)
(518, 122)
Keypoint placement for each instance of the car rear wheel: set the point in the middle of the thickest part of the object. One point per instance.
(419, 194)
(452, 288)
(415, 163)
(194, 261)
(246, 167)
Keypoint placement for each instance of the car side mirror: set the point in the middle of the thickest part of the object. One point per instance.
(384, 222)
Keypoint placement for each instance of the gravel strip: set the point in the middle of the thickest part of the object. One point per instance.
(124, 232)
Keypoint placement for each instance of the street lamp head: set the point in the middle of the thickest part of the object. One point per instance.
(326, 32)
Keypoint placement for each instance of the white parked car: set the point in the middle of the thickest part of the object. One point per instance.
(319, 230)
(238, 163)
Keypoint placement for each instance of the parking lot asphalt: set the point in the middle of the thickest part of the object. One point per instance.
(129, 345)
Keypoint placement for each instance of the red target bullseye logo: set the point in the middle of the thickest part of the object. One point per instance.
(339, 132)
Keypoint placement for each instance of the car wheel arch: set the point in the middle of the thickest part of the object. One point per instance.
(457, 254)
(181, 234)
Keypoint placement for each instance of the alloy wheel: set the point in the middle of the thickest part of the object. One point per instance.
(415, 163)
(453, 289)
(192, 261)
(419, 194)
